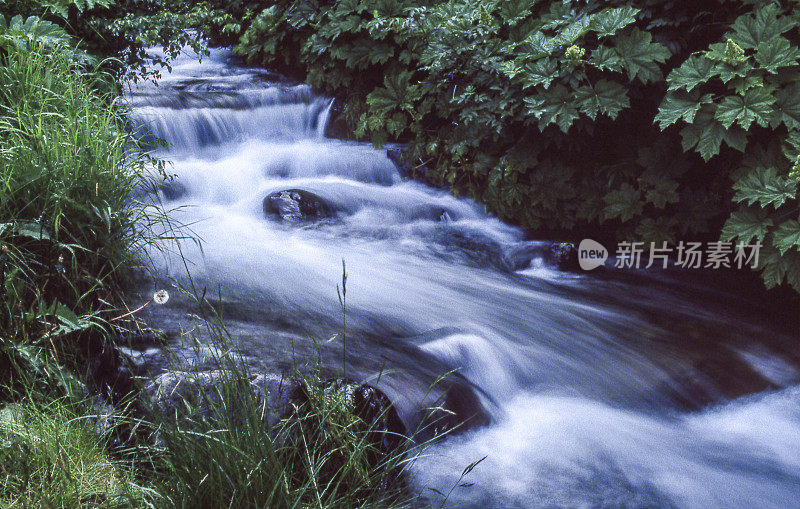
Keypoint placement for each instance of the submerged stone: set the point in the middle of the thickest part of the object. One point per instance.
(563, 255)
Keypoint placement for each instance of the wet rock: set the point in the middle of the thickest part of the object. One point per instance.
(563, 255)
(139, 361)
(337, 126)
(458, 411)
(296, 205)
(398, 156)
(378, 416)
(172, 190)
(110, 376)
(429, 212)
(519, 256)
(470, 247)
(449, 406)
(395, 155)
(187, 395)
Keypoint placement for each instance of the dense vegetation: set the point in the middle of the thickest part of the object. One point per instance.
(123, 29)
(656, 120)
(66, 231)
(638, 120)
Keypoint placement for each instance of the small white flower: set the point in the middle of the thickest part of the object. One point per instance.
(161, 297)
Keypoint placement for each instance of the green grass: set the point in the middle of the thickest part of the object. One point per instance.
(52, 456)
(68, 231)
(67, 238)
(323, 455)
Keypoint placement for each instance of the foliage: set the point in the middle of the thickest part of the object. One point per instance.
(124, 29)
(626, 118)
(745, 92)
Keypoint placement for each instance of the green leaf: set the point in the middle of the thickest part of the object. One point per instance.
(787, 236)
(680, 105)
(694, 71)
(640, 56)
(736, 138)
(552, 107)
(763, 185)
(763, 25)
(746, 225)
(31, 229)
(776, 54)
(606, 97)
(623, 203)
(705, 134)
(727, 72)
(777, 268)
(755, 106)
(541, 72)
(575, 29)
(786, 108)
(742, 85)
(665, 191)
(514, 11)
(540, 45)
(608, 21)
(69, 321)
(605, 58)
(395, 93)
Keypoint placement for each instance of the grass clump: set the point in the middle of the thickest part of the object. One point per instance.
(67, 224)
(51, 455)
(323, 454)
(230, 446)
(68, 237)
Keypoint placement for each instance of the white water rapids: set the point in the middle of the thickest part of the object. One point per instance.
(617, 390)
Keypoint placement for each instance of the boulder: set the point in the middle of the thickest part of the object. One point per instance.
(196, 395)
(296, 205)
(563, 255)
(374, 409)
(450, 406)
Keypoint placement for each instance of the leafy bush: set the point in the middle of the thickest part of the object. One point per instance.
(124, 29)
(643, 120)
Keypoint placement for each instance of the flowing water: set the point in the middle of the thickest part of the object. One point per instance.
(616, 388)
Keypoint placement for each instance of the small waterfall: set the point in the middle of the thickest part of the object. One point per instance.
(322, 120)
(613, 390)
(198, 115)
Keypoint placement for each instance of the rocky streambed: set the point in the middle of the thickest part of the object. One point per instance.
(610, 388)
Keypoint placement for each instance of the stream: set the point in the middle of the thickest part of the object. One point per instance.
(611, 388)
